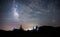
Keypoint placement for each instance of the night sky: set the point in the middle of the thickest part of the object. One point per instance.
(29, 13)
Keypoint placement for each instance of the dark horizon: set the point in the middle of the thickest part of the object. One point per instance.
(37, 29)
(44, 31)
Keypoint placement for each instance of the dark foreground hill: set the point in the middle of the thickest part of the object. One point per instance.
(44, 31)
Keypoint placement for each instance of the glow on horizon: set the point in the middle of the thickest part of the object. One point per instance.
(28, 29)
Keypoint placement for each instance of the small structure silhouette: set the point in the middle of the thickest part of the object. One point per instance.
(36, 28)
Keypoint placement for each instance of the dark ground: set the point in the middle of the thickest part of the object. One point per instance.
(44, 31)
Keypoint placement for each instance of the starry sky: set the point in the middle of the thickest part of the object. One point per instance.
(29, 13)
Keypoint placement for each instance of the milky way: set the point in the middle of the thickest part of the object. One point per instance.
(29, 13)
